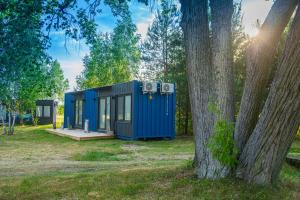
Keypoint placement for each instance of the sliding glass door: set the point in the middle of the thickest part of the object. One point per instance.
(78, 113)
(104, 113)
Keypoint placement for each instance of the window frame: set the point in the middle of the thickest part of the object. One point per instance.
(124, 99)
(44, 111)
(99, 110)
(77, 99)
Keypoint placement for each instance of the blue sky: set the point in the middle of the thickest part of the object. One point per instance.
(71, 59)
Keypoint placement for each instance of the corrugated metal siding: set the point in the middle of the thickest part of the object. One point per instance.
(123, 88)
(103, 92)
(155, 117)
(69, 110)
(90, 109)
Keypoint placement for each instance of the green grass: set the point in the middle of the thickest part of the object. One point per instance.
(38, 165)
(96, 156)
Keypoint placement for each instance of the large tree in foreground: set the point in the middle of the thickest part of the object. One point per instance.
(263, 154)
(260, 57)
(201, 84)
(265, 151)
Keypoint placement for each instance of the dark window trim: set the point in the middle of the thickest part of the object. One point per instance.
(124, 95)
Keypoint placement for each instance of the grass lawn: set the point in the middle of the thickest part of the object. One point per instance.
(38, 165)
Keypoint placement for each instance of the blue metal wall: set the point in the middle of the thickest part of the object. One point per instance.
(69, 110)
(90, 108)
(155, 116)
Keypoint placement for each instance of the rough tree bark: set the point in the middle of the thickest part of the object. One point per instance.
(222, 59)
(186, 122)
(264, 153)
(200, 81)
(9, 123)
(259, 58)
(3, 113)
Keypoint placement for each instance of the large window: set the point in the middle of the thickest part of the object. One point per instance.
(46, 111)
(128, 108)
(107, 113)
(121, 108)
(43, 111)
(124, 108)
(78, 112)
(102, 114)
(39, 111)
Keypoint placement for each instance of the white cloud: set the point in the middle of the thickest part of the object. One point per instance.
(144, 24)
(71, 69)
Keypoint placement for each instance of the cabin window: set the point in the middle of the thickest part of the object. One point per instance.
(124, 108)
(102, 114)
(128, 108)
(78, 112)
(121, 108)
(46, 111)
(107, 113)
(39, 111)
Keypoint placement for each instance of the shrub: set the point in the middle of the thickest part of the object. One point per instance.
(221, 143)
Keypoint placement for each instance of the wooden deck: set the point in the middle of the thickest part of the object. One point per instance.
(78, 134)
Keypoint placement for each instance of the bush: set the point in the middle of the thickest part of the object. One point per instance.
(221, 143)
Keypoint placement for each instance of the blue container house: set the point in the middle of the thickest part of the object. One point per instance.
(130, 110)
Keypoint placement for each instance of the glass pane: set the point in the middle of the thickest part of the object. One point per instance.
(128, 108)
(102, 114)
(39, 111)
(121, 108)
(108, 113)
(76, 112)
(80, 112)
(46, 111)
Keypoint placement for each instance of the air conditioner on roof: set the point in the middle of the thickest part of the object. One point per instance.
(149, 87)
(167, 88)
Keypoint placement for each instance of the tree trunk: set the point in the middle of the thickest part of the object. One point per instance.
(259, 59)
(200, 81)
(13, 124)
(9, 123)
(222, 59)
(265, 152)
(4, 125)
(186, 123)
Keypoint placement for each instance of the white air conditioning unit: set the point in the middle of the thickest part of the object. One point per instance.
(167, 88)
(149, 87)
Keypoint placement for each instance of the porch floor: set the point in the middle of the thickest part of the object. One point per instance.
(79, 134)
